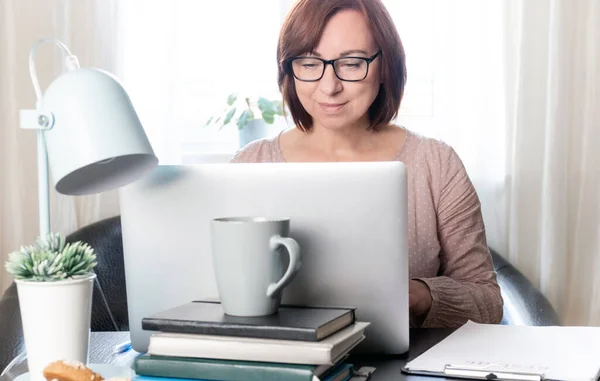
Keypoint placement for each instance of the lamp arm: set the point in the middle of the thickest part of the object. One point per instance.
(44, 121)
(70, 61)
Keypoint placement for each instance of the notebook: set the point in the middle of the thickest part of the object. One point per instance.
(340, 372)
(325, 352)
(303, 323)
(181, 368)
(485, 351)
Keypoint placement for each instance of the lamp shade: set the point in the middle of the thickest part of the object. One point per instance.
(97, 142)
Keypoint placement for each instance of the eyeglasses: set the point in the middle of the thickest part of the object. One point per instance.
(349, 69)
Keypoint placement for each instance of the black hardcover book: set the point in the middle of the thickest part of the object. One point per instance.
(302, 323)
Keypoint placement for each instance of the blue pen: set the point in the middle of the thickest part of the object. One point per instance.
(122, 348)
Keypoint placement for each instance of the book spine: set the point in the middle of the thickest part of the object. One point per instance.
(296, 334)
(217, 371)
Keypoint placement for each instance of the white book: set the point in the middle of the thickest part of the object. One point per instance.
(325, 352)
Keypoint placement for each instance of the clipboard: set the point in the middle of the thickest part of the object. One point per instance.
(485, 372)
(518, 353)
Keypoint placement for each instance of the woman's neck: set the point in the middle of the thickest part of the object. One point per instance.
(350, 139)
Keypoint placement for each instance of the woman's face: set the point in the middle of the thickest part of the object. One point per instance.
(333, 103)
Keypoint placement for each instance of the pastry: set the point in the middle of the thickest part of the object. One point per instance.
(70, 371)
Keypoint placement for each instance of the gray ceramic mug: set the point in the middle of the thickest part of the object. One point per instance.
(248, 263)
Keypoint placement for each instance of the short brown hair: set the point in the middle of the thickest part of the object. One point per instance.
(300, 34)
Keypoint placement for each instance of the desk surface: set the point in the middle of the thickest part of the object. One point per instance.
(102, 346)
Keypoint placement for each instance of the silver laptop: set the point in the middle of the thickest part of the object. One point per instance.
(350, 220)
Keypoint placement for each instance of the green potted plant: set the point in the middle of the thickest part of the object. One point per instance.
(55, 283)
(251, 115)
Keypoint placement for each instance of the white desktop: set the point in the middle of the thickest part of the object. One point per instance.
(350, 220)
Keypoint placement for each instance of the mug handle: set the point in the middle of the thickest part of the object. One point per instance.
(293, 250)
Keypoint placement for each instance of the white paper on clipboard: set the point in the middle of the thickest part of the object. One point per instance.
(555, 353)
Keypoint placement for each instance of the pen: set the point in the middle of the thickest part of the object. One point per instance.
(122, 348)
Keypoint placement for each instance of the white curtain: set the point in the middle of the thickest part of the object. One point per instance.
(515, 89)
(553, 169)
(87, 27)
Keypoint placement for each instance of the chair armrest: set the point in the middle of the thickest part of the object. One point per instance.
(524, 304)
(11, 330)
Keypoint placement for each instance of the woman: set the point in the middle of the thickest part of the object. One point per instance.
(342, 74)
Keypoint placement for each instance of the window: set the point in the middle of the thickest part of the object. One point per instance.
(180, 59)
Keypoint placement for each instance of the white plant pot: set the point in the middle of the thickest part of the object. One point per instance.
(254, 130)
(56, 321)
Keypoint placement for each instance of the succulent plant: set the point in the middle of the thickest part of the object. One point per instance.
(51, 259)
(51, 242)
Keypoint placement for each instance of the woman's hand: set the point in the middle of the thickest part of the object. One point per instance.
(419, 299)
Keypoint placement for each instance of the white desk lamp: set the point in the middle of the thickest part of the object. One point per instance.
(89, 134)
(87, 130)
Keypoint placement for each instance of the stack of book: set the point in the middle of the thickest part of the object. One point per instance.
(198, 341)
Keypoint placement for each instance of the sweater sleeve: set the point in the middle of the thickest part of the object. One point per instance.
(466, 287)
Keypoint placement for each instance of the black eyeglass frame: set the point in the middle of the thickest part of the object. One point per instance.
(368, 60)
